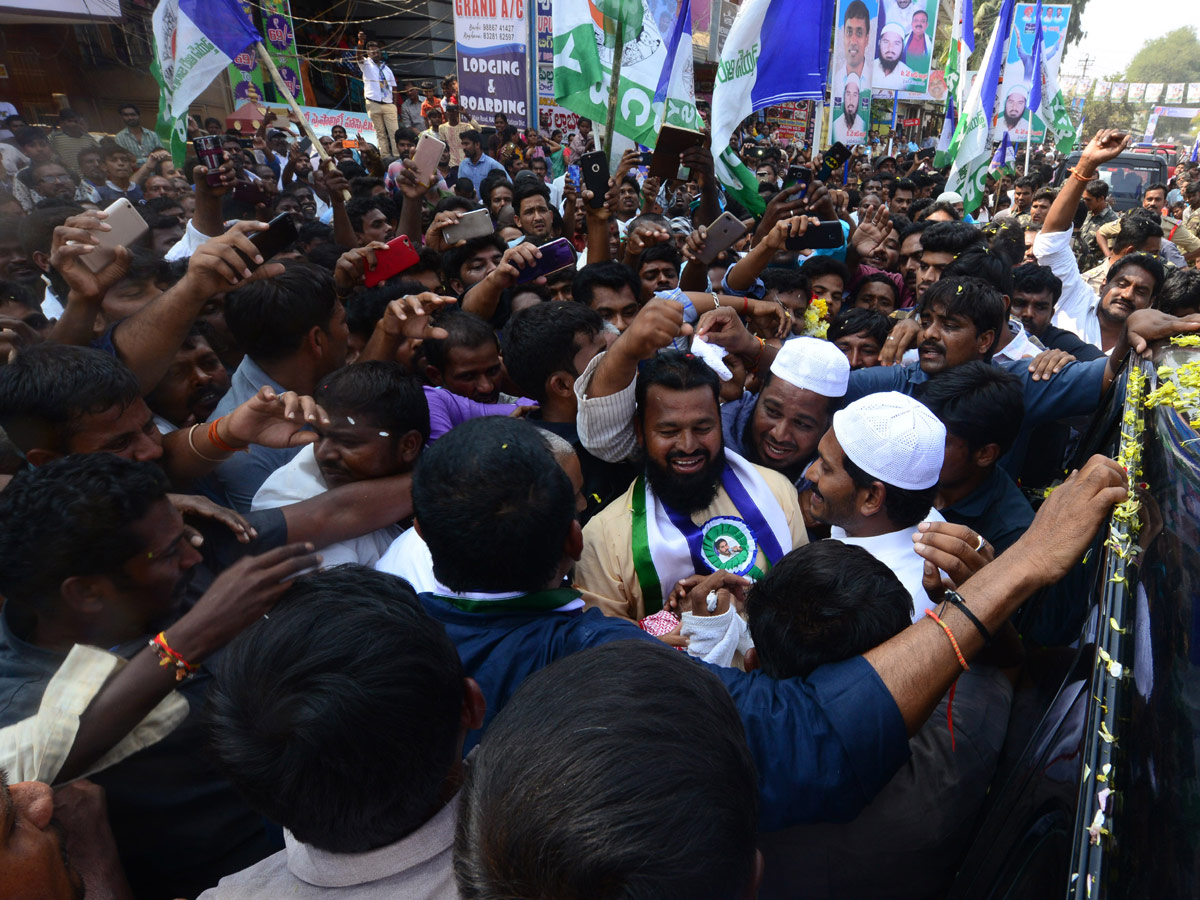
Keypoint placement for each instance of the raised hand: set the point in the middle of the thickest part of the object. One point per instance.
(352, 266)
(273, 420)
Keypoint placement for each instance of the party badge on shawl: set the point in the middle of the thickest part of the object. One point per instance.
(728, 544)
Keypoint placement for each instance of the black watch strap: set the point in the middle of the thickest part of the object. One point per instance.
(953, 598)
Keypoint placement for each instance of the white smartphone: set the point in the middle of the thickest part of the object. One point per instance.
(473, 224)
(722, 234)
(427, 156)
(128, 227)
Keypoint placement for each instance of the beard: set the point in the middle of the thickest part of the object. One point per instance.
(888, 65)
(686, 493)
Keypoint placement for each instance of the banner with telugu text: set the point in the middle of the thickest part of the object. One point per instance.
(248, 79)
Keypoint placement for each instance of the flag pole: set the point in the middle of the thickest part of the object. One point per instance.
(611, 120)
(302, 121)
(1028, 141)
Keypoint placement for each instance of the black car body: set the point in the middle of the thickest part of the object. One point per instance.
(1098, 789)
(1128, 176)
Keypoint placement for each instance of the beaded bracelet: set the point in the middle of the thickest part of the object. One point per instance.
(1075, 174)
(953, 641)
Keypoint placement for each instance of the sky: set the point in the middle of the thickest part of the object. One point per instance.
(1114, 36)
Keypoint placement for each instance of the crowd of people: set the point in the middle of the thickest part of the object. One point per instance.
(671, 560)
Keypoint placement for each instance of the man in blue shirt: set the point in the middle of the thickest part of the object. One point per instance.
(981, 407)
(960, 319)
(476, 165)
(293, 329)
(498, 516)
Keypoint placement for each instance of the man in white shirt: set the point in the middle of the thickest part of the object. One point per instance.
(1095, 306)
(875, 479)
(379, 84)
(379, 421)
(343, 718)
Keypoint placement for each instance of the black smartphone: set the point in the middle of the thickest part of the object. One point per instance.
(798, 175)
(927, 153)
(835, 158)
(647, 157)
(822, 236)
(250, 192)
(594, 166)
(280, 234)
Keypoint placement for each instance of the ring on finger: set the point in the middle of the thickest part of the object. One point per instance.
(980, 545)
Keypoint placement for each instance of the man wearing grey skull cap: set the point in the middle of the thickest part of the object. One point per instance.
(875, 479)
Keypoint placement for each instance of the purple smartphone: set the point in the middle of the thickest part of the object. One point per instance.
(555, 255)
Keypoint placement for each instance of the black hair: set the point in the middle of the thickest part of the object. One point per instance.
(314, 231)
(358, 207)
(380, 391)
(366, 308)
(361, 188)
(1046, 193)
(984, 263)
(456, 257)
(71, 517)
(1180, 291)
(464, 186)
(1026, 181)
(48, 387)
(903, 184)
(556, 805)
(611, 275)
(471, 135)
(325, 256)
(937, 206)
(904, 507)
(1137, 226)
(824, 602)
(463, 329)
(1157, 186)
(1006, 236)
(1142, 261)
(853, 320)
(950, 237)
(543, 339)
(338, 717)
(676, 371)
(493, 506)
(1097, 188)
(14, 292)
(23, 137)
(108, 151)
(406, 134)
(1030, 278)
(270, 318)
(878, 278)
(977, 402)
(857, 10)
(125, 106)
(913, 228)
(918, 206)
(972, 299)
(454, 203)
(491, 182)
(659, 253)
(36, 230)
(786, 281)
(818, 266)
(527, 188)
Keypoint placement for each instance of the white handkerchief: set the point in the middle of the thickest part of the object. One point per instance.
(712, 355)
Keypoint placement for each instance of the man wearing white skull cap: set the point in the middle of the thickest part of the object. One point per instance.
(875, 479)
